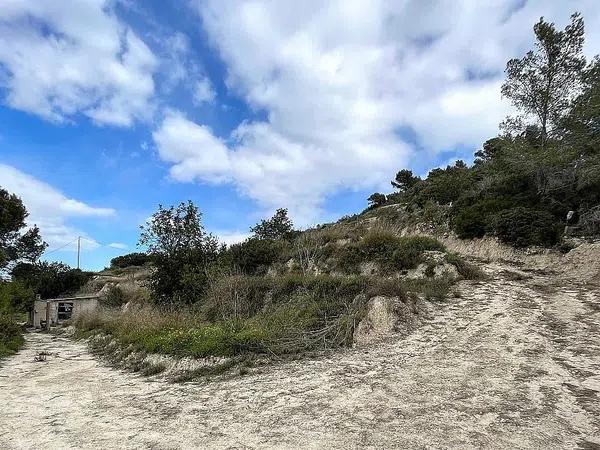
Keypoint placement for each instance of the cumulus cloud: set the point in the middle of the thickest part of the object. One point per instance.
(49, 208)
(344, 82)
(204, 91)
(193, 149)
(58, 59)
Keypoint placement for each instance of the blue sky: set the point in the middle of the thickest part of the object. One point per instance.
(110, 107)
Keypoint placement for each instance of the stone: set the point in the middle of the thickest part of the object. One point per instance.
(369, 268)
(379, 321)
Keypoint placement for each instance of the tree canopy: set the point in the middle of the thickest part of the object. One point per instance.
(17, 242)
(279, 226)
(181, 251)
(544, 83)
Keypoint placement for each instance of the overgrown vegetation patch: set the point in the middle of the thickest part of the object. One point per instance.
(248, 314)
(11, 336)
(390, 252)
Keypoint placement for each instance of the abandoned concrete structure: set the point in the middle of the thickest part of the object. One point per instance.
(55, 311)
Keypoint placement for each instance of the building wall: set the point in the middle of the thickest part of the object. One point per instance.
(86, 305)
(79, 305)
(39, 313)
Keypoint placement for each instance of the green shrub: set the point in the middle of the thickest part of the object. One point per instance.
(15, 297)
(131, 259)
(436, 289)
(470, 222)
(523, 227)
(11, 336)
(409, 251)
(254, 256)
(388, 250)
(433, 289)
(50, 279)
(114, 297)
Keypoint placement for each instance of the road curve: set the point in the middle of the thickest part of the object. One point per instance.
(513, 363)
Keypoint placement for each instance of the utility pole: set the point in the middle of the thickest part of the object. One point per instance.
(78, 249)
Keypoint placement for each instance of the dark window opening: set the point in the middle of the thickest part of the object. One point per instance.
(65, 310)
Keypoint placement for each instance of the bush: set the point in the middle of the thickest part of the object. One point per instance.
(254, 256)
(114, 298)
(465, 269)
(11, 336)
(388, 250)
(523, 227)
(15, 297)
(409, 251)
(131, 259)
(470, 222)
(50, 279)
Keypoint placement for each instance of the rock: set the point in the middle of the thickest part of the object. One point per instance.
(435, 266)
(369, 268)
(379, 322)
(446, 270)
(385, 316)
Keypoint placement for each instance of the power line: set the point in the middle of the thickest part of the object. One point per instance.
(102, 245)
(60, 248)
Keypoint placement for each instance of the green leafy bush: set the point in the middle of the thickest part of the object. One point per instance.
(409, 251)
(114, 298)
(391, 252)
(15, 297)
(50, 279)
(131, 259)
(522, 227)
(11, 336)
(254, 256)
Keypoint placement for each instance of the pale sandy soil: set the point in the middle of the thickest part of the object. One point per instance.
(514, 363)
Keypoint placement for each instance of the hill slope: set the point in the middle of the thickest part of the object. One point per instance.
(512, 363)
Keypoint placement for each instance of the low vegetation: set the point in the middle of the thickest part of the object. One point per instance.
(243, 314)
(11, 336)
(540, 174)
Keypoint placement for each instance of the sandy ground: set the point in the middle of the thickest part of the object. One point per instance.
(513, 363)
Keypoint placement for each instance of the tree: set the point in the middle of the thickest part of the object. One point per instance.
(49, 279)
(277, 227)
(544, 82)
(17, 243)
(178, 244)
(130, 259)
(405, 180)
(376, 200)
(581, 127)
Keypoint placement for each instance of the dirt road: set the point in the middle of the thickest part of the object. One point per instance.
(513, 363)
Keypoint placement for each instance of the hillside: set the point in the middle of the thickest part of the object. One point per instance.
(512, 362)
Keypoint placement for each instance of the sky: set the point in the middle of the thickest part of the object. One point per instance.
(109, 108)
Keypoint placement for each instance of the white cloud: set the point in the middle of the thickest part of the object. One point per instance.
(232, 237)
(58, 59)
(118, 245)
(203, 91)
(50, 209)
(340, 80)
(195, 152)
